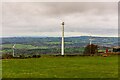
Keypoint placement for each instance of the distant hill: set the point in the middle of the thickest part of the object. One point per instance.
(52, 45)
(55, 41)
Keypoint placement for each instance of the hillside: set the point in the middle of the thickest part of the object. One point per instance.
(69, 41)
(45, 45)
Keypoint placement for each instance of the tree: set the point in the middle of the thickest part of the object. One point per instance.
(7, 56)
(91, 49)
(22, 56)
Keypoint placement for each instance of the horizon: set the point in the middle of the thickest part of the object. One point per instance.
(56, 36)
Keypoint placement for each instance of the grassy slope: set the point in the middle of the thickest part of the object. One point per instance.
(61, 67)
(0, 68)
(18, 46)
(23, 46)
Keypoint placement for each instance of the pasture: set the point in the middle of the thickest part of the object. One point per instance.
(61, 67)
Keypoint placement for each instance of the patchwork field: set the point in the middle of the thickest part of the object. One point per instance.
(61, 67)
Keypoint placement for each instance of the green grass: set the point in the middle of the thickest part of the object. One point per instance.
(18, 46)
(0, 68)
(61, 67)
(23, 46)
(59, 42)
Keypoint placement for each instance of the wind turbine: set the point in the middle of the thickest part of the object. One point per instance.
(62, 46)
(14, 50)
(91, 39)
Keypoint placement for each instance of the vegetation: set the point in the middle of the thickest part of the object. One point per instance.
(30, 61)
(91, 49)
(33, 50)
(7, 56)
(55, 41)
(52, 45)
(61, 67)
(21, 56)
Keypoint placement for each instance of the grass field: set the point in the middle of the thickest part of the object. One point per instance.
(61, 67)
(23, 46)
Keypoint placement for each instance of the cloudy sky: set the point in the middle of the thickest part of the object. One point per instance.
(44, 18)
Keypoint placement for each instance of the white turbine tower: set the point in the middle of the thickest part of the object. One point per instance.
(62, 46)
(91, 39)
(13, 50)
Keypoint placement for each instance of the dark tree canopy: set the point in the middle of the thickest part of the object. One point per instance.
(91, 49)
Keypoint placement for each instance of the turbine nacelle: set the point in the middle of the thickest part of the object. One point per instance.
(63, 23)
(14, 46)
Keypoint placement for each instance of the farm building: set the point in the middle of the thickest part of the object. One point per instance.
(116, 49)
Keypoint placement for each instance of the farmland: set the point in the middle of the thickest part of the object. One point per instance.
(57, 67)
(32, 50)
(51, 45)
(61, 67)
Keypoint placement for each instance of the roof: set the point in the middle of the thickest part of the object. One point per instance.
(116, 47)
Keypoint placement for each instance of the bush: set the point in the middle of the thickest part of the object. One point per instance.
(36, 56)
(7, 56)
(29, 56)
(22, 56)
(91, 49)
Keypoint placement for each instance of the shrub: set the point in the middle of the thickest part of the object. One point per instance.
(36, 56)
(7, 56)
(91, 49)
(22, 56)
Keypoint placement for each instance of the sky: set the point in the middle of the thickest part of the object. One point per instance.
(44, 18)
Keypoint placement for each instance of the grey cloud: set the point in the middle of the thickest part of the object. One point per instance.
(30, 17)
(69, 8)
(53, 8)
